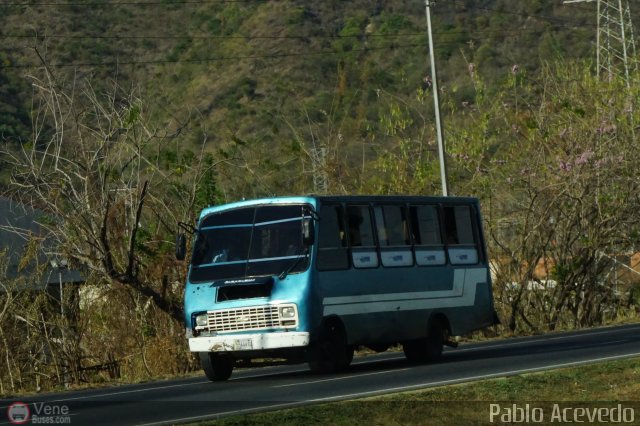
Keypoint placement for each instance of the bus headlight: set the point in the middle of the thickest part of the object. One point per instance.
(202, 320)
(287, 312)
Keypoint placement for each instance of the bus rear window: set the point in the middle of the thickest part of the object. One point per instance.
(425, 229)
(461, 237)
(457, 223)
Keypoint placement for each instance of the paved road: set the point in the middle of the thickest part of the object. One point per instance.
(193, 399)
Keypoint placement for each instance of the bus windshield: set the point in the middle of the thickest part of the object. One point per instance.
(249, 242)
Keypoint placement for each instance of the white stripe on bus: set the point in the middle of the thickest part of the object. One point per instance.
(463, 293)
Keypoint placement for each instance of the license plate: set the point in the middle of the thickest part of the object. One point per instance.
(243, 344)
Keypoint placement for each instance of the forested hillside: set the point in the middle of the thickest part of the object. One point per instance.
(266, 75)
(120, 119)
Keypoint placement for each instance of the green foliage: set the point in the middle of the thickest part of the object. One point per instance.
(392, 23)
(179, 49)
(550, 47)
(297, 16)
(207, 192)
(350, 34)
(403, 163)
(485, 55)
(231, 18)
(14, 120)
(255, 89)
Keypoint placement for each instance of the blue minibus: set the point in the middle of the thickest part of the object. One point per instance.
(314, 277)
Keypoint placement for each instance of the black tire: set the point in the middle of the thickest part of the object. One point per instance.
(428, 349)
(217, 367)
(382, 347)
(329, 352)
(415, 350)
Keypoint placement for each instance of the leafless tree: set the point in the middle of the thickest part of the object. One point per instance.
(112, 188)
(559, 183)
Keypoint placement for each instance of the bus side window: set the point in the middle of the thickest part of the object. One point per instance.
(332, 239)
(425, 229)
(363, 245)
(459, 231)
(393, 235)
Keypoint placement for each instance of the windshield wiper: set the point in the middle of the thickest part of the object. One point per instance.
(290, 268)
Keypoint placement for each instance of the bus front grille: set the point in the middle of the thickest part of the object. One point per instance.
(243, 319)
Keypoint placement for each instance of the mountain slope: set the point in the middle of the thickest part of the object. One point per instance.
(269, 79)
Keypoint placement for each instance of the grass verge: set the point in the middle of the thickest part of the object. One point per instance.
(570, 394)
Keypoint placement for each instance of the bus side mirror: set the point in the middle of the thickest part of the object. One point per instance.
(308, 234)
(181, 246)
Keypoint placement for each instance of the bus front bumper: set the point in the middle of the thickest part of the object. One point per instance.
(248, 342)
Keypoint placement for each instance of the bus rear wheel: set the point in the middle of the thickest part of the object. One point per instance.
(330, 352)
(428, 349)
(217, 367)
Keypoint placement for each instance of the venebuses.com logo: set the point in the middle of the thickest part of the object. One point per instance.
(18, 413)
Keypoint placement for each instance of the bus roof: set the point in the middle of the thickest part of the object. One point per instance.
(314, 199)
(394, 198)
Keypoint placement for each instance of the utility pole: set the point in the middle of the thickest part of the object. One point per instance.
(436, 103)
(60, 266)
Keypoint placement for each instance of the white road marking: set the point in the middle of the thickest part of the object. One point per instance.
(525, 341)
(226, 413)
(533, 340)
(117, 393)
(393, 390)
(474, 378)
(352, 376)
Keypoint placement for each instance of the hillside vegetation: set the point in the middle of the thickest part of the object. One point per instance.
(121, 119)
(279, 75)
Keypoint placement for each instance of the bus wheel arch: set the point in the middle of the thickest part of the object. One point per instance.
(429, 348)
(440, 320)
(217, 367)
(329, 351)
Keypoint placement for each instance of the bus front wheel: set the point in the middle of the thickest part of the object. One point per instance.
(330, 352)
(428, 349)
(217, 367)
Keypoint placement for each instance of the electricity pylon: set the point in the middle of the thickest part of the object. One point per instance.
(319, 166)
(615, 43)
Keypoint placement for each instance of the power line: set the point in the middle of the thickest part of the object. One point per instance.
(206, 37)
(268, 37)
(203, 2)
(133, 3)
(514, 13)
(391, 46)
(473, 34)
(227, 58)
